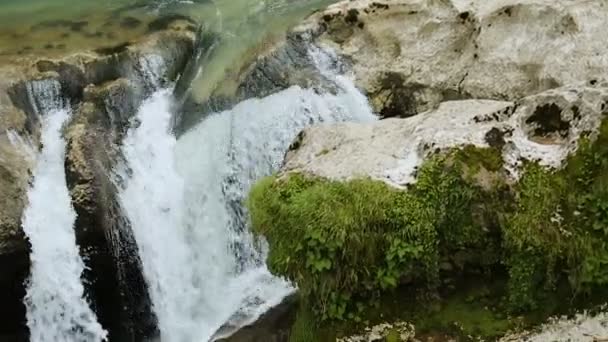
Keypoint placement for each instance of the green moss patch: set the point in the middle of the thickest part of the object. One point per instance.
(346, 242)
(559, 231)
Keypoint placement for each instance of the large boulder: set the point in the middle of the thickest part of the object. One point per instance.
(512, 189)
(545, 127)
(522, 78)
(103, 88)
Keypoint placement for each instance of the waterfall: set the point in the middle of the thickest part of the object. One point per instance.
(56, 307)
(184, 200)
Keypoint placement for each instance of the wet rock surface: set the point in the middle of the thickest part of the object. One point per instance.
(272, 326)
(103, 90)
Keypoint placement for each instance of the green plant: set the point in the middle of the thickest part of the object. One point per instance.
(346, 242)
(560, 227)
(305, 327)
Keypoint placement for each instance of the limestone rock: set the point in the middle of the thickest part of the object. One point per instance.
(116, 285)
(411, 55)
(583, 327)
(430, 51)
(17, 138)
(398, 331)
(543, 127)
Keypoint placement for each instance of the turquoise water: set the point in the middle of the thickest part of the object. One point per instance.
(38, 27)
(57, 27)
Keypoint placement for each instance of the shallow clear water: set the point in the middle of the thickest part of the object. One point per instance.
(56, 27)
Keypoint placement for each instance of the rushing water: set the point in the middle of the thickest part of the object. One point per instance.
(183, 197)
(184, 200)
(56, 307)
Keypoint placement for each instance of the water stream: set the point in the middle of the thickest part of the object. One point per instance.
(56, 307)
(184, 199)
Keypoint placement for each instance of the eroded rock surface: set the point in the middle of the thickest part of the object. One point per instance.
(583, 327)
(411, 55)
(543, 127)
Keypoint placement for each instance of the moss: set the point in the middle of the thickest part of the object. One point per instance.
(393, 336)
(476, 158)
(469, 312)
(346, 242)
(305, 327)
(559, 232)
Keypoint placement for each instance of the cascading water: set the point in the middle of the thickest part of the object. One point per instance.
(184, 200)
(56, 307)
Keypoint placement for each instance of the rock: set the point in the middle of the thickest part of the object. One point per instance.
(291, 63)
(273, 326)
(583, 327)
(544, 127)
(18, 135)
(118, 85)
(117, 289)
(389, 332)
(104, 90)
(408, 56)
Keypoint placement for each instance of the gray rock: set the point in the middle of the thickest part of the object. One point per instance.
(545, 127)
(411, 55)
(272, 326)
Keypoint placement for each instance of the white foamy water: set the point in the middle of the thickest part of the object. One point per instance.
(56, 308)
(184, 201)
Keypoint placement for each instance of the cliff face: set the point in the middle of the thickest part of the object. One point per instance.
(103, 88)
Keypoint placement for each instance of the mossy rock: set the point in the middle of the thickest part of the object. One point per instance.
(348, 243)
(344, 241)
